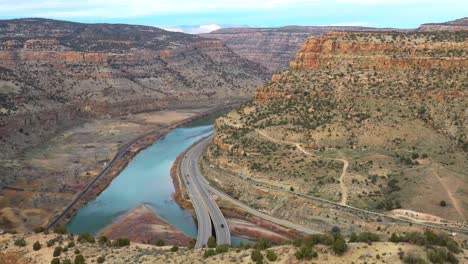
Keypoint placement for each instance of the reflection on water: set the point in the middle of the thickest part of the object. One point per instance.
(146, 180)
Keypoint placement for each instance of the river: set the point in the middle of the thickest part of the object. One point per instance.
(146, 180)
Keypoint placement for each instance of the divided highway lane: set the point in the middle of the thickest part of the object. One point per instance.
(201, 198)
(203, 217)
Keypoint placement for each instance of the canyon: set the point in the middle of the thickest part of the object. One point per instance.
(349, 123)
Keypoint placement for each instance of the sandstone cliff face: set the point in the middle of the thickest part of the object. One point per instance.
(455, 25)
(273, 48)
(382, 51)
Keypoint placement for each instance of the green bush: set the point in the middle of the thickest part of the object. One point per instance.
(79, 259)
(121, 242)
(60, 230)
(37, 246)
(222, 248)
(339, 246)
(57, 251)
(86, 237)
(102, 240)
(211, 242)
(20, 242)
(364, 237)
(39, 229)
(413, 259)
(159, 243)
(174, 249)
(443, 203)
(262, 244)
(271, 256)
(55, 261)
(71, 244)
(208, 253)
(305, 253)
(77, 251)
(65, 249)
(100, 259)
(66, 261)
(256, 255)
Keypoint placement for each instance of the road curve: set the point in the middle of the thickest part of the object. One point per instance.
(202, 145)
(201, 199)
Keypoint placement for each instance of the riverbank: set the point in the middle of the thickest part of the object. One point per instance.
(121, 160)
(142, 225)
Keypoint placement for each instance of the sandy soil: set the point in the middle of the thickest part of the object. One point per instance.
(379, 252)
(141, 225)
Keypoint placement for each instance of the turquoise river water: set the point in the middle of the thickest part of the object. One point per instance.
(146, 180)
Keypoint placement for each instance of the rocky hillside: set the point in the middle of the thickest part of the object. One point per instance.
(48, 63)
(455, 25)
(373, 120)
(271, 47)
(53, 72)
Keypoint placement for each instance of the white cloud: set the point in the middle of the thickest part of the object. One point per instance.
(194, 29)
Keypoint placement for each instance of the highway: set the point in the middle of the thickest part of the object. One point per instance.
(206, 209)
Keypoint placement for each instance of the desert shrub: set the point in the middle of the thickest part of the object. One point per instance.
(159, 243)
(79, 259)
(208, 253)
(437, 255)
(339, 246)
(60, 230)
(102, 240)
(305, 253)
(413, 259)
(100, 259)
(57, 251)
(65, 249)
(77, 251)
(71, 244)
(55, 261)
(443, 203)
(211, 242)
(39, 229)
(368, 237)
(20, 242)
(66, 261)
(256, 255)
(121, 242)
(174, 249)
(271, 256)
(262, 244)
(37, 246)
(222, 248)
(86, 237)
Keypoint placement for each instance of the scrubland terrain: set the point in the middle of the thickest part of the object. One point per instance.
(17, 249)
(372, 120)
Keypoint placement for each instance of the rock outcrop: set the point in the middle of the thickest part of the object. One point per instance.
(455, 25)
(271, 47)
(382, 51)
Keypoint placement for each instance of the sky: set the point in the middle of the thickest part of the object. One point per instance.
(205, 16)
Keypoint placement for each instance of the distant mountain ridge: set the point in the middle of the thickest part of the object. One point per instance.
(274, 48)
(54, 72)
